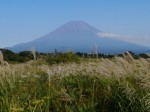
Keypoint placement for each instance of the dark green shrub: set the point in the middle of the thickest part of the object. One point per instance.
(63, 58)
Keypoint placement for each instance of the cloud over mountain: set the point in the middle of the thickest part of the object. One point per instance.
(142, 40)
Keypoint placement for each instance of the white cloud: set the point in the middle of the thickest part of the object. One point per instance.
(110, 35)
(144, 40)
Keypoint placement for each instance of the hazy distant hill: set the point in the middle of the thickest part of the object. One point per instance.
(78, 36)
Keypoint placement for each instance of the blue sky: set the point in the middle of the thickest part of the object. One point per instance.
(25, 20)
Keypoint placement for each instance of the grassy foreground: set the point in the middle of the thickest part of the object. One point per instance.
(116, 85)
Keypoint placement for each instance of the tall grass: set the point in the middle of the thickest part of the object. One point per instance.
(1, 57)
(33, 51)
(116, 85)
(2, 62)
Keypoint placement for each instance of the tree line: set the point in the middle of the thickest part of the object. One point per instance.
(57, 57)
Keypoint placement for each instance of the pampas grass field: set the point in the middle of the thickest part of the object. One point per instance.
(121, 84)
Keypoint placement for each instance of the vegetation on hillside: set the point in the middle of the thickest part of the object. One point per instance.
(66, 82)
(59, 57)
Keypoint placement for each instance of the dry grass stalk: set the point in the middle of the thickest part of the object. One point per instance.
(1, 57)
(2, 62)
(96, 50)
(148, 54)
(33, 53)
(130, 57)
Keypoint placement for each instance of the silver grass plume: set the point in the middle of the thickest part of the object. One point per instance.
(1, 57)
(33, 53)
(96, 50)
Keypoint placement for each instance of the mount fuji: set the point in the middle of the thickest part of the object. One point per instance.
(79, 36)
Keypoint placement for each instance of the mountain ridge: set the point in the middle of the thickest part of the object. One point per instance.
(78, 36)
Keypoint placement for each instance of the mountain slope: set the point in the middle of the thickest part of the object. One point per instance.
(79, 37)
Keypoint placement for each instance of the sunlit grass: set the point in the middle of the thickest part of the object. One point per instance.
(104, 85)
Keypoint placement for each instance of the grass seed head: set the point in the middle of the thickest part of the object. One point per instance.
(1, 57)
(33, 53)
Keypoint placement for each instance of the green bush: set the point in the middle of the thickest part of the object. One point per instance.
(20, 57)
(63, 58)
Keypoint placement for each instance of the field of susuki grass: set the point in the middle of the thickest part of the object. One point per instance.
(121, 84)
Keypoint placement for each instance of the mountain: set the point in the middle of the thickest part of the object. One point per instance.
(78, 36)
